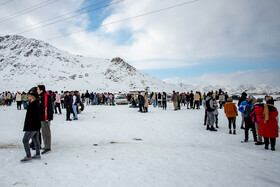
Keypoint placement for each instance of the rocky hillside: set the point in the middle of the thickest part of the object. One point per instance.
(27, 62)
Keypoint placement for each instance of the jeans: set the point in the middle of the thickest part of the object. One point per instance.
(34, 135)
(75, 111)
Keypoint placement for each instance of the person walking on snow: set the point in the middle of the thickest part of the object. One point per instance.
(32, 125)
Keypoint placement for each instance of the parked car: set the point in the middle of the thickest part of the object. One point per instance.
(277, 99)
(121, 100)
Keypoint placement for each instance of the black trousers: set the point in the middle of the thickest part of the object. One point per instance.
(191, 103)
(141, 107)
(205, 117)
(272, 142)
(57, 105)
(231, 120)
(249, 124)
(68, 112)
(164, 104)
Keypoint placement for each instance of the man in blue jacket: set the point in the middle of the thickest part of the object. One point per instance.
(245, 108)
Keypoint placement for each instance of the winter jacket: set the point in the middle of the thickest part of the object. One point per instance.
(216, 112)
(174, 97)
(222, 98)
(270, 128)
(68, 101)
(32, 119)
(57, 98)
(230, 110)
(178, 98)
(163, 97)
(24, 97)
(256, 118)
(46, 107)
(197, 97)
(210, 105)
(146, 98)
(246, 108)
(141, 100)
(18, 97)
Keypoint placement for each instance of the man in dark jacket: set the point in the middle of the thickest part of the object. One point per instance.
(141, 101)
(32, 125)
(46, 111)
(68, 105)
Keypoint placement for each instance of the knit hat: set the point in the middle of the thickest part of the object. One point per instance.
(33, 92)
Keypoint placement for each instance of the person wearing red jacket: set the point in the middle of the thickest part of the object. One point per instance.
(268, 123)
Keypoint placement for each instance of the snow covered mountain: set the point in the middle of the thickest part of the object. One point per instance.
(25, 63)
(28, 62)
(261, 89)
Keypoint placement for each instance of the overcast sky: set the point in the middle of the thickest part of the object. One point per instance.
(197, 42)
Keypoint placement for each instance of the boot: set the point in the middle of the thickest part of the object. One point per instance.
(207, 128)
(230, 131)
(217, 126)
(213, 129)
(234, 131)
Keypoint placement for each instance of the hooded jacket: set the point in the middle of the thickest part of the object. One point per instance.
(46, 108)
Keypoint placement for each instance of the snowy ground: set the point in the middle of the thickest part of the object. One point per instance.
(175, 150)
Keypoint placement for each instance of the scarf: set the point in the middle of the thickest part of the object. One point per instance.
(266, 112)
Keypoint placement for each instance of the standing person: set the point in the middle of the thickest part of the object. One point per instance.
(268, 123)
(32, 125)
(188, 100)
(222, 100)
(146, 102)
(159, 99)
(205, 108)
(24, 100)
(210, 112)
(57, 103)
(179, 101)
(174, 100)
(141, 101)
(68, 105)
(18, 100)
(62, 99)
(231, 113)
(196, 100)
(164, 99)
(257, 119)
(87, 95)
(154, 99)
(191, 99)
(8, 99)
(46, 111)
(242, 98)
(74, 105)
(245, 108)
(216, 113)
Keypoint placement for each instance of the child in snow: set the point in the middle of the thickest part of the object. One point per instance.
(216, 113)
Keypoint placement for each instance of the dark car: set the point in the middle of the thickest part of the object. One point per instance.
(235, 97)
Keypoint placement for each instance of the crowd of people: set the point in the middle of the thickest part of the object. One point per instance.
(41, 104)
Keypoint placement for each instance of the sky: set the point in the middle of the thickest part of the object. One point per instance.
(203, 42)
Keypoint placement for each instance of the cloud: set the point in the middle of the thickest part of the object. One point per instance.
(254, 77)
(185, 35)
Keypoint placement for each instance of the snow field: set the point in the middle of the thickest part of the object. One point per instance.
(99, 150)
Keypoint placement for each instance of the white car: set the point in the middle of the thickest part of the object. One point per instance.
(121, 100)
